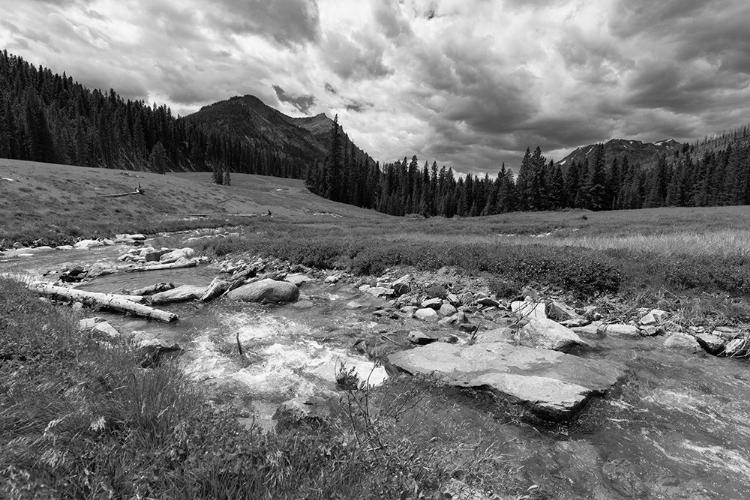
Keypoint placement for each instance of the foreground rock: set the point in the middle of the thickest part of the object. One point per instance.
(266, 290)
(544, 333)
(553, 385)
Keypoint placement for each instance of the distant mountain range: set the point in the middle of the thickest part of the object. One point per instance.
(637, 152)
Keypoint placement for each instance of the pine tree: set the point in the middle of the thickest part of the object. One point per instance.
(596, 182)
(332, 166)
(227, 177)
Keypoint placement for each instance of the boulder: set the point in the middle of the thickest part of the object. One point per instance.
(682, 342)
(87, 244)
(447, 310)
(712, 344)
(590, 330)
(175, 255)
(334, 278)
(619, 330)
(433, 303)
(401, 286)
(560, 312)
(654, 317)
(427, 314)
(453, 299)
(528, 309)
(89, 323)
(215, 288)
(379, 291)
(543, 333)
(106, 331)
(266, 290)
(154, 255)
(297, 279)
(152, 349)
(180, 294)
(487, 302)
(419, 338)
(551, 384)
(409, 310)
(465, 298)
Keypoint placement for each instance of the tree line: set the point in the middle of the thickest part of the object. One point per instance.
(50, 118)
(717, 177)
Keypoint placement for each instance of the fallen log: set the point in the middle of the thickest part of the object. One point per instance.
(152, 289)
(158, 267)
(117, 302)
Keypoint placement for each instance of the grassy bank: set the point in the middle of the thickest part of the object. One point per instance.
(78, 420)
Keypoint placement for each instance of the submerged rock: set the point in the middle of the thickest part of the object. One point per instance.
(266, 290)
(682, 342)
(552, 384)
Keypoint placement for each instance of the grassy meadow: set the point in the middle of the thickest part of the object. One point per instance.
(81, 421)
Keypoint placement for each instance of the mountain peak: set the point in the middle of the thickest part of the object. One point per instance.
(635, 151)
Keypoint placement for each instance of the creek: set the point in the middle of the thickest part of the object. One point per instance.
(678, 427)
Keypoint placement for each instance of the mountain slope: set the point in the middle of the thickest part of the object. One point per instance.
(250, 119)
(636, 151)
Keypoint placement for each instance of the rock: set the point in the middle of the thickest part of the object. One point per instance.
(447, 310)
(64, 247)
(17, 245)
(543, 333)
(737, 347)
(591, 313)
(409, 310)
(433, 303)
(712, 344)
(379, 291)
(560, 312)
(619, 330)
(552, 384)
(450, 320)
(154, 255)
(334, 278)
(87, 244)
(507, 335)
(449, 339)
(419, 338)
(297, 279)
(401, 286)
(528, 309)
(106, 331)
(427, 314)
(682, 342)
(487, 302)
(266, 290)
(453, 299)
(180, 294)
(175, 255)
(312, 412)
(152, 349)
(354, 305)
(89, 323)
(651, 331)
(152, 289)
(575, 322)
(590, 330)
(468, 328)
(654, 317)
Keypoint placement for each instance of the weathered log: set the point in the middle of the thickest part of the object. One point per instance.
(152, 289)
(116, 302)
(158, 267)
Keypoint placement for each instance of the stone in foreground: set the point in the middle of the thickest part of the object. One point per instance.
(266, 290)
(553, 385)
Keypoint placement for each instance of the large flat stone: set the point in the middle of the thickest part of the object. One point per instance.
(552, 384)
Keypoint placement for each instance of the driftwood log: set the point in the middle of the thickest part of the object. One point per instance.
(117, 302)
(158, 267)
(137, 190)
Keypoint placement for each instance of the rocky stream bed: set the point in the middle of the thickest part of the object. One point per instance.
(576, 403)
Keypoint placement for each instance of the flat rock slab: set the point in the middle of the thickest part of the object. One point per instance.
(552, 384)
(266, 290)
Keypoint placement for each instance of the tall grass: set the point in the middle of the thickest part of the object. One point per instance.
(78, 420)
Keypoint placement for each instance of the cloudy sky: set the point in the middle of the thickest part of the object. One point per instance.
(469, 83)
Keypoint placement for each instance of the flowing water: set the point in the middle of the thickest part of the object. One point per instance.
(679, 427)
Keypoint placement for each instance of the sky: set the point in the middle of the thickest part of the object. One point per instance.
(467, 83)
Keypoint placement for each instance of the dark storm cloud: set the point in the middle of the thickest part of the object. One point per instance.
(286, 22)
(302, 103)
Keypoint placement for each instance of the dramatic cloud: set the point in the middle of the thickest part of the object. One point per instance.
(469, 83)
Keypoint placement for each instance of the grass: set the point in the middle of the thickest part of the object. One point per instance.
(78, 420)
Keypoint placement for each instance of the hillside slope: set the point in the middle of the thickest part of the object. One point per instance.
(636, 151)
(59, 203)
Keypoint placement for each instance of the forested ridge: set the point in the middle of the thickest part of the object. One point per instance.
(715, 171)
(51, 118)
